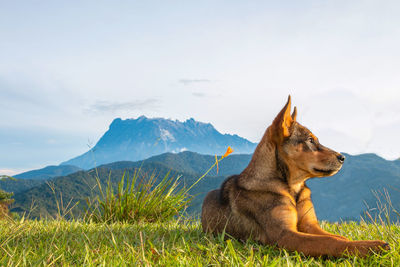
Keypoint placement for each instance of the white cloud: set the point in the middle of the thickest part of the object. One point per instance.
(197, 94)
(107, 106)
(11, 172)
(191, 81)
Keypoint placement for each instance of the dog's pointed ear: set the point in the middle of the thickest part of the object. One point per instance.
(294, 114)
(283, 120)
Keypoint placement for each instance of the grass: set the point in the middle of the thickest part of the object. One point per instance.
(141, 198)
(174, 243)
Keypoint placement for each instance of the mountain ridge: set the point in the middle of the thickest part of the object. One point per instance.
(141, 138)
(340, 197)
(48, 172)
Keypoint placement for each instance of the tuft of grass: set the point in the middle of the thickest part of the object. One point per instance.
(141, 198)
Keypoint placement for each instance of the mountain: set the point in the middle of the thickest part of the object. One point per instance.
(137, 139)
(48, 172)
(340, 197)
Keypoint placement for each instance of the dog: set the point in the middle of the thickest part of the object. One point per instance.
(269, 201)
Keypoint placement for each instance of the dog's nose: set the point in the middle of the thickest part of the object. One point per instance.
(341, 158)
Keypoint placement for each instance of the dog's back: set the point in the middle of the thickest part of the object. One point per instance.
(214, 214)
(216, 209)
(219, 212)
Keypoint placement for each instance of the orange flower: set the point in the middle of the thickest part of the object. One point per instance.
(228, 151)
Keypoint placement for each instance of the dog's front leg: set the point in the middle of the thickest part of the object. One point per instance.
(321, 245)
(314, 228)
(282, 230)
(308, 222)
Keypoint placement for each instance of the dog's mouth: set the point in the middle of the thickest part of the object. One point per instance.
(324, 171)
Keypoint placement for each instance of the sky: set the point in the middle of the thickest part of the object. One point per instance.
(68, 68)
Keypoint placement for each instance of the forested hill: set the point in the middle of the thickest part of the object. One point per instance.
(342, 196)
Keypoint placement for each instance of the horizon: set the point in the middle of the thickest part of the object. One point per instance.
(184, 151)
(68, 70)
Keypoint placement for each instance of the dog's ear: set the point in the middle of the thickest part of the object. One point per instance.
(294, 114)
(283, 121)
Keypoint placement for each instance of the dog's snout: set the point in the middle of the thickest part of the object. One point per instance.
(341, 158)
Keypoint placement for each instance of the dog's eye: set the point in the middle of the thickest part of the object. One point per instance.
(311, 140)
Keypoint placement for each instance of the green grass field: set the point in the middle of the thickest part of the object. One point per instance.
(174, 243)
(156, 236)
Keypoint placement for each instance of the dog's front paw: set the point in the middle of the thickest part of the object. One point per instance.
(364, 248)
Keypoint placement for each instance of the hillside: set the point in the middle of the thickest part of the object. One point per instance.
(48, 172)
(19, 185)
(191, 163)
(80, 185)
(77, 186)
(344, 195)
(141, 138)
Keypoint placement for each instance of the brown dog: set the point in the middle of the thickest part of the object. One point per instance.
(269, 201)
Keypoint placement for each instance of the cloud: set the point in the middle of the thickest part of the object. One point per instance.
(190, 81)
(51, 141)
(197, 94)
(22, 91)
(11, 171)
(106, 106)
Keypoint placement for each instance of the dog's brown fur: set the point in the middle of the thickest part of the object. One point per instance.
(269, 201)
